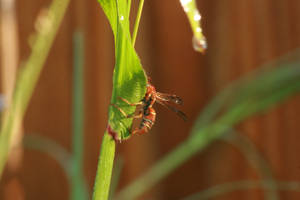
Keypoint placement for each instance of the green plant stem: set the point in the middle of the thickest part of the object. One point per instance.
(51, 148)
(105, 166)
(242, 185)
(129, 8)
(248, 149)
(137, 21)
(58, 153)
(79, 190)
(171, 161)
(116, 176)
(29, 75)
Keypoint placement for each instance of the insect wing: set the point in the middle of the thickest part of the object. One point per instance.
(169, 98)
(178, 112)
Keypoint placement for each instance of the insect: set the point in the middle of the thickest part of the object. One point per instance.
(146, 110)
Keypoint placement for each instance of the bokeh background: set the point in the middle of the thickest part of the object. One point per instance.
(242, 35)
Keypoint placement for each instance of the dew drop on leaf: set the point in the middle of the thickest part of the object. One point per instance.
(194, 17)
(199, 45)
(197, 16)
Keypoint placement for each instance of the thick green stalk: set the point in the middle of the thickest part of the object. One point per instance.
(116, 175)
(137, 21)
(29, 75)
(104, 171)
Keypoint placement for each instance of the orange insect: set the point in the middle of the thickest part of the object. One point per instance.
(147, 112)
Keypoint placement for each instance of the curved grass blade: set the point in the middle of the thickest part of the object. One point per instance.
(28, 76)
(282, 82)
(242, 185)
(256, 160)
(129, 79)
(193, 14)
(129, 82)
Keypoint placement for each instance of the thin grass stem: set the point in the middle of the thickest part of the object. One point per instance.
(241, 185)
(78, 189)
(248, 149)
(28, 77)
(137, 21)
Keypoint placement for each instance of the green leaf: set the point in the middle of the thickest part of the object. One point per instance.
(129, 82)
(129, 78)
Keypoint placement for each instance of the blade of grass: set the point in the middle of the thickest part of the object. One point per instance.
(129, 79)
(225, 188)
(51, 148)
(265, 96)
(129, 82)
(9, 49)
(194, 17)
(57, 152)
(78, 186)
(248, 149)
(137, 21)
(29, 75)
(129, 8)
(211, 111)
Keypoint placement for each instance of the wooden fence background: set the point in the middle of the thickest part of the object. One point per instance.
(242, 35)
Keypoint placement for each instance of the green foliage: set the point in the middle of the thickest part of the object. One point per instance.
(28, 76)
(129, 79)
(129, 82)
(242, 99)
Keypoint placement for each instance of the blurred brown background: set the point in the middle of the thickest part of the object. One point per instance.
(242, 35)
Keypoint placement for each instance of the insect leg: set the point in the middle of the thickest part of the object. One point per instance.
(139, 131)
(120, 109)
(131, 104)
(133, 115)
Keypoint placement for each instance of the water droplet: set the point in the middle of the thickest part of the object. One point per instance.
(122, 18)
(199, 44)
(185, 2)
(197, 16)
(186, 9)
